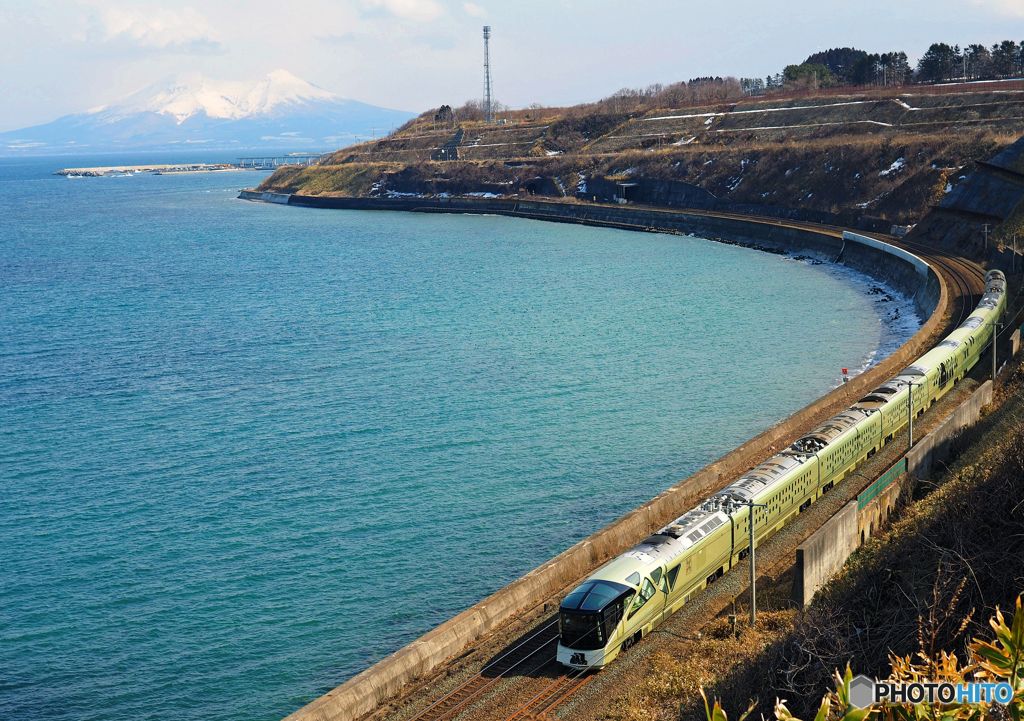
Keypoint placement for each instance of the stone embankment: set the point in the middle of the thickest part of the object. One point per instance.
(903, 271)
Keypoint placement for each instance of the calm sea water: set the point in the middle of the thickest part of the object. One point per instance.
(248, 450)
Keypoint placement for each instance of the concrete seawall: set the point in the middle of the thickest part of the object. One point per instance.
(368, 689)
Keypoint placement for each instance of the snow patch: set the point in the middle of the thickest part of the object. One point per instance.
(864, 205)
(897, 165)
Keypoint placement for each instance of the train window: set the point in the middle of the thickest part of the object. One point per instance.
(581, 630)
(656, 575)
(633, 578)
(573, 599)
(647, 592)
(600, 596)
(671, 577)
(613, 613)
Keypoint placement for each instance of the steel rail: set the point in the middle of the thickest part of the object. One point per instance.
(554, 690)
(465, 686)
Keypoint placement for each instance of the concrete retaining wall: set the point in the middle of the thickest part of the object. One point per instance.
(934, 447)
(367, 690)
(822, 555)
(876, 512)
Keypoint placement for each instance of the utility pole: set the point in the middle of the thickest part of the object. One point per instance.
(985, 228)
(753, 574)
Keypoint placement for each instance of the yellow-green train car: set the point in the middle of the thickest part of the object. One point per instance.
(631, 594)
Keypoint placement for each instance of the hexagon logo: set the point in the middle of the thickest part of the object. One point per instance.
(862, 691)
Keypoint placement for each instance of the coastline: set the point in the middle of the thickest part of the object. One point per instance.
(919, 285)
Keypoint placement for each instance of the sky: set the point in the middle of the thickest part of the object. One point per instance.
(64, 56)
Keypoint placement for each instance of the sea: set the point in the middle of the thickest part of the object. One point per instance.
(248, 450)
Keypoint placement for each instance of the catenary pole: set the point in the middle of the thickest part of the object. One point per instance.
(910, 417)
(753, 573)
(995, 327)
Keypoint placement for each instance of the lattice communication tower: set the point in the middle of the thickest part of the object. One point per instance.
(487, 73)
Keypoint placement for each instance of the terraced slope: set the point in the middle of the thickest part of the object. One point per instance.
(868, 162)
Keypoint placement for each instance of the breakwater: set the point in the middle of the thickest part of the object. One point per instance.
(903, 271)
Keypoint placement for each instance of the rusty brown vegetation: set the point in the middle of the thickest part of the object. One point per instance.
(828, 154)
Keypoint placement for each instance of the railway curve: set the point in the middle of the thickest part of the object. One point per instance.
(463, 690)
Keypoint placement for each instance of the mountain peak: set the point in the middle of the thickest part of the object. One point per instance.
(279, 110)
(183, 96)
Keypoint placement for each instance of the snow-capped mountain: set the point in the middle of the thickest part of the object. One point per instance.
(280, 110)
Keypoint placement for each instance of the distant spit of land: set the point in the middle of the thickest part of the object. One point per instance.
(157, 169)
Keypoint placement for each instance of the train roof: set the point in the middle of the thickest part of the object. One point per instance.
(593, 595)
(830, 430)
(752, 482)
(629, 569)
(972, 323)
(990, 301)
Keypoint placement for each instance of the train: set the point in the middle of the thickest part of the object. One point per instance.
(619, 604)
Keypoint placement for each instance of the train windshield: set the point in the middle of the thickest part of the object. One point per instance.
(588, 616)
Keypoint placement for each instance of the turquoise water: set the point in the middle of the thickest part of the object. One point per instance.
(249, 450)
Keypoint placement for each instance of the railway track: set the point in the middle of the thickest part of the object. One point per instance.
(529, 662)
(528, 656)
(961, 272)
(555, 693)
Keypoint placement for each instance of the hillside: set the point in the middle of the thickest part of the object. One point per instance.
(868, 160)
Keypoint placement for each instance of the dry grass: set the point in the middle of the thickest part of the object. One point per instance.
(846, 175)
(672, 683)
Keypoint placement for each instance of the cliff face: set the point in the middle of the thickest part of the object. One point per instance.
(854, 161)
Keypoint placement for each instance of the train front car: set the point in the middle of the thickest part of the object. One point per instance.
(588, 619)
(630, 595)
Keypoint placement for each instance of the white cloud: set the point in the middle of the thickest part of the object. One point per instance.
(415, 10)
(181, 30)
(474, 10)
(1003, 8)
